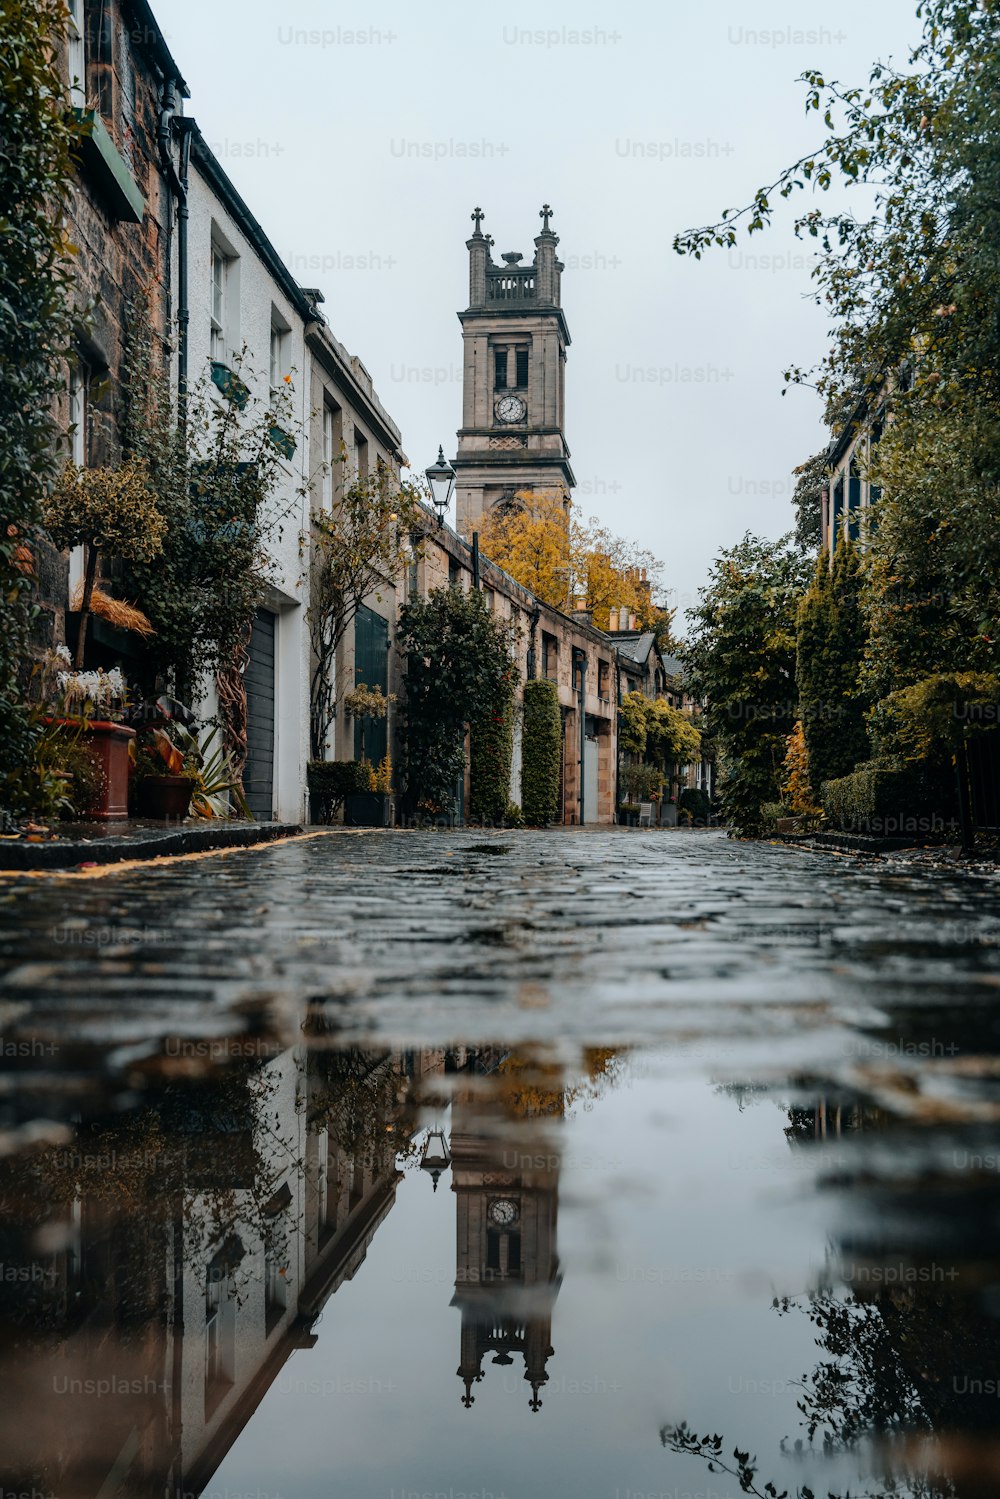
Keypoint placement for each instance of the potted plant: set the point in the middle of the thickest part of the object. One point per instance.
(107, 511)
(88, 707)
(368, 807)
(331, 782)
(175, 772)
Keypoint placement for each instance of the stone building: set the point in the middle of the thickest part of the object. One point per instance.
(567, 649)
(514, 378)
(125, 86)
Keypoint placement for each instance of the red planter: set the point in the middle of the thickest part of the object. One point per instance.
(107, 745)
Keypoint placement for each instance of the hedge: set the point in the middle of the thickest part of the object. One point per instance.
(696, 801)
(491, 748)
(541, 753)
(330, 781)
(881, 799)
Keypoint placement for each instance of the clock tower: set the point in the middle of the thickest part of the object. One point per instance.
(513, 390)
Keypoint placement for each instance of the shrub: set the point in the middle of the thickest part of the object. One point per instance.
(541, 753)
(697, 802)
(880, 798)
(491, 749)
(330, 781)
(926, 721)
(641, 783)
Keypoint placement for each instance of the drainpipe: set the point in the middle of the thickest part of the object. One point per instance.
(581, 698)
(169, 120)
(532, 664)
(183, 311)
(475, 561)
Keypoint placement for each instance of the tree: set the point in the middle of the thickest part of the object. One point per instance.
(218, 482)
(36, 323)
(810, 481)
(916, 274)
(932, 602)
(358, 546)
(563, 558)
(532, 540)
(829, 646)
(741, 660)
(459, 672)
(110, 511)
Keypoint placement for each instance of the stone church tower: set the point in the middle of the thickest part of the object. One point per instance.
(513, 393)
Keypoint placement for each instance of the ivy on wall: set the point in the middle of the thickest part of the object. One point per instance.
(541, 753)
(459, 670)
(491, 750)
(35, 332)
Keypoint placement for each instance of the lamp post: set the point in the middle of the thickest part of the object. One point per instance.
(435, 1156)
(441, 478)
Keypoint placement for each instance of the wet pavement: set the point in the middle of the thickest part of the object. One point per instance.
(521, 1164)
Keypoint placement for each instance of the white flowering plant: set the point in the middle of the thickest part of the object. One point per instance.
(88, 694)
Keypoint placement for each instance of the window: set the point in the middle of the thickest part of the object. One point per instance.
(454, 573)
(280, 364)
(220, 1329)
(853, 499)
(604, 678)
(220, 288)
(491, 599)
(360, 454)
(838, 509)
(500, 369)
(550, 657)
(327, 457)
(275, 1289)
(76, 55)
(522, 369)
(78, 382)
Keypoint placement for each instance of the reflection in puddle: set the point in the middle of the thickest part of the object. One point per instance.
(423, 1256)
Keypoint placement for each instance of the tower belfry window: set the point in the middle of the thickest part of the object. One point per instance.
(522, 369)
(500, 369)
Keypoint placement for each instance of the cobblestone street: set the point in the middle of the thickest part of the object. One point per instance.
(755, 1082)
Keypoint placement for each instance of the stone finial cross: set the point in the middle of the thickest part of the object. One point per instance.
(477, 217)
(545, 213)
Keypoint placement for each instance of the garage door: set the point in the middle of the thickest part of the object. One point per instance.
(258, 777)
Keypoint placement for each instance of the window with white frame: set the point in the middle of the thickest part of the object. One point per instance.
(328, 420)
(220, 290)
(280, 342)
(78, 382)
(76, 55)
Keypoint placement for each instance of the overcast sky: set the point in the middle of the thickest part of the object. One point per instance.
(363, 136)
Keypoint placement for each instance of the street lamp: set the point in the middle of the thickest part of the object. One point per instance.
(441, 478)
(435, 1157)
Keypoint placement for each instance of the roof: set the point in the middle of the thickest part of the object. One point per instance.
(148, 33)
(636, 647)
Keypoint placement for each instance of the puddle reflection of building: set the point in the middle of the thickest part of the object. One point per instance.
(249, 1205)
(505, 1177)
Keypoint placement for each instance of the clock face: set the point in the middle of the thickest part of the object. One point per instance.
(510, 409)
(503, 1212)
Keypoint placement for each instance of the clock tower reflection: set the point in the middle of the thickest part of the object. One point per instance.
(505, 1176)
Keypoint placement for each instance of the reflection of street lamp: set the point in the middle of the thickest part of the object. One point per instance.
(441, 478)
(435, 1158)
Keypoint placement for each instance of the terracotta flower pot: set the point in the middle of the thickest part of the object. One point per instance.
(107, 745)
(167, 797)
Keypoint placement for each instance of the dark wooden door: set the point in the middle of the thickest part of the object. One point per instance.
(258, 777)
(371, 669)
